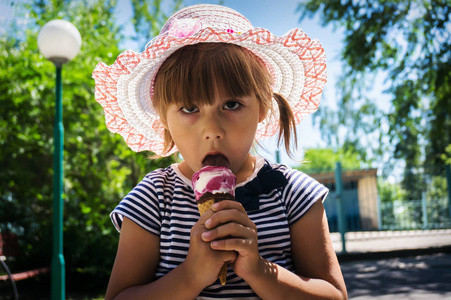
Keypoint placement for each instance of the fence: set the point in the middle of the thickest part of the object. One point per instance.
(355, 205)
(396, 215)
(415, 214)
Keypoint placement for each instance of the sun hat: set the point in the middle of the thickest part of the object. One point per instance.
(125, 89)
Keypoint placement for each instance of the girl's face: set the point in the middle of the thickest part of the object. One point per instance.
(226, 127)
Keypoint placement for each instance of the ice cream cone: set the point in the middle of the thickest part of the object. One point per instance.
(211, 185)
(203, 207)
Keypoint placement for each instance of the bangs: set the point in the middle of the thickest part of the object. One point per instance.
(195, 74)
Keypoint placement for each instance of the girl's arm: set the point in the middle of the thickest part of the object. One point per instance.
(314, 255)
(137, 259)
(319, 275)
(315, 261)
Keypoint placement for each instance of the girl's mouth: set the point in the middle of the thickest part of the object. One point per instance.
(216, 160)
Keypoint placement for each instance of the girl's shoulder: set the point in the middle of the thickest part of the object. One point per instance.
(165, 176)
(301, 183)
(300, 192)
(161, 173)
(290, 173)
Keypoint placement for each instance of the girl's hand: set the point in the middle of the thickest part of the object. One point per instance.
(202, 263)
(230, 229)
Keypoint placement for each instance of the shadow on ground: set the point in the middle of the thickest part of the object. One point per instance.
(400, 278)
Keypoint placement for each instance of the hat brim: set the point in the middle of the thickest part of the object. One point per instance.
(124, 89)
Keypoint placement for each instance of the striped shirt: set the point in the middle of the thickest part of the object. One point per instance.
(163, 203)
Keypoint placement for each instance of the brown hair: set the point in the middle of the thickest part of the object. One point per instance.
(192, 73)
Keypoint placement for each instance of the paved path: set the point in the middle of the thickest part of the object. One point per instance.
(419, 277)
(396, 265)
(382, 241)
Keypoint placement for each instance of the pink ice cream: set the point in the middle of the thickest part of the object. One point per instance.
(213, 180)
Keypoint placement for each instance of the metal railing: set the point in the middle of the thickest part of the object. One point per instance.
(350, 212)
(415, 214)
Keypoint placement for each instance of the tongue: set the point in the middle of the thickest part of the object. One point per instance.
(218, 160)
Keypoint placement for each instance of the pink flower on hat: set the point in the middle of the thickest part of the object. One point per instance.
(184, 27)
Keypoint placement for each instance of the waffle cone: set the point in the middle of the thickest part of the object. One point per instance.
(203, 207)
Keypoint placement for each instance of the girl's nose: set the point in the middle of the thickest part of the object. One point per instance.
(212, 128)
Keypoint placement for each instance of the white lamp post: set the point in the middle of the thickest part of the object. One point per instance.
(59, 41)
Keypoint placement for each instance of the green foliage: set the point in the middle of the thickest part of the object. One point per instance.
(149, 18)
(388, 195)
(99, 168)
(446, 157)
(410, 43)
(390, 192)
(437, 188)
(324, 160)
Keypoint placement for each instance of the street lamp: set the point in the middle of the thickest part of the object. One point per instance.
(59, 41)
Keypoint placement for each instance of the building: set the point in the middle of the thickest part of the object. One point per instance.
(359, 199)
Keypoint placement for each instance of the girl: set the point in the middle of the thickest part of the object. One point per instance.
(209, 86)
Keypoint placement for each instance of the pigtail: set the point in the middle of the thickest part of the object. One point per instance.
(287, 124)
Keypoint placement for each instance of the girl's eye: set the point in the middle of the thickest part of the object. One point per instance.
(189, 110)
(232, 105)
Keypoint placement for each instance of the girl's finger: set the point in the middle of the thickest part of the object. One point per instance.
(234, 244)
(233, 230)
(228, 204)
(227, 216)
(205, 216)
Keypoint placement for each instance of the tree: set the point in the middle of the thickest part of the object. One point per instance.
(324, 160)
(99, 168)
(410, 41)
